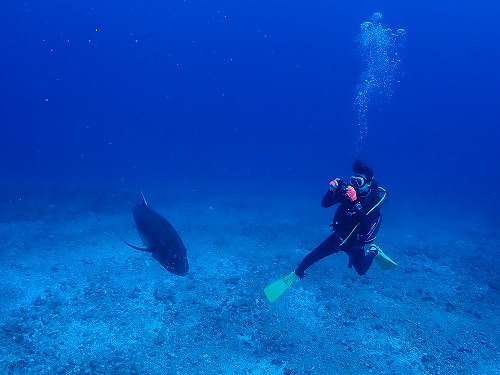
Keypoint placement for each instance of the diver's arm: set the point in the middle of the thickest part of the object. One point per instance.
(334, 196)
(328, 199)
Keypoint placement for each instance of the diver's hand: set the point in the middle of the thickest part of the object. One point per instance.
(334, 184)
(351, 193)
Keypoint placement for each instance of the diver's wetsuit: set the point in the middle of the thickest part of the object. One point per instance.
(346, 217)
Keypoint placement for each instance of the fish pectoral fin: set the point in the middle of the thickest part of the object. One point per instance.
(145, 249)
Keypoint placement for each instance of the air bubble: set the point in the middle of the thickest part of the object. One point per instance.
(379, 48)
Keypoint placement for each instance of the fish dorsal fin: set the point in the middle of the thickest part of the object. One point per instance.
(143, 199)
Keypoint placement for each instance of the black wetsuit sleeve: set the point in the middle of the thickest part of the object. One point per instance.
(331, 198)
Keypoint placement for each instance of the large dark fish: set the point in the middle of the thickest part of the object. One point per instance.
(160, 239)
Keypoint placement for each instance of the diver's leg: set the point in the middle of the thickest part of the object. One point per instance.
(362, 261)
(327, 247)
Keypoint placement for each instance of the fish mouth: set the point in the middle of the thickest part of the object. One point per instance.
(178, 269)
(177, 266)
(178, 272)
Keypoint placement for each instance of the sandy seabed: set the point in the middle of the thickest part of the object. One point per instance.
(75, 300)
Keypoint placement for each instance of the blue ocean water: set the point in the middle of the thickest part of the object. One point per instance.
(101, 93)
(197, 99)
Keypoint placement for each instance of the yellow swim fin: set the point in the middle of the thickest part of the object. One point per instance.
(276, 289)
(382, 260)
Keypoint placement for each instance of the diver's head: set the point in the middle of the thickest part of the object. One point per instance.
(363, 177)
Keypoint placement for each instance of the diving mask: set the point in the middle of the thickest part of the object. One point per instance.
(358, 181)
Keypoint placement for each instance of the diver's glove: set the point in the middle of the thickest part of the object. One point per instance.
(351, 193)
(334, 184)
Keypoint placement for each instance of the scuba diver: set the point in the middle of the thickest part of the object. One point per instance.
(355, 224)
